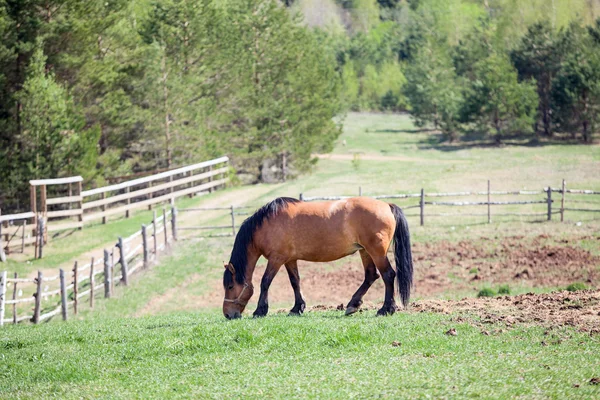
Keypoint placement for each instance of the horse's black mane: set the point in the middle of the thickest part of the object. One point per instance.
(244, 237)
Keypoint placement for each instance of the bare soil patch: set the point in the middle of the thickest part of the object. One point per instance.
(579, 309)
(538, 262)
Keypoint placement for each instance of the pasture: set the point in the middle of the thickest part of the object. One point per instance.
(164, 336)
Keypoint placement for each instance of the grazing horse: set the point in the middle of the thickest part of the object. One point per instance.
(287, 230)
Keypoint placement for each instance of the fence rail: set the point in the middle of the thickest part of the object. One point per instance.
(71, 207)
(547, 191)
(120, 257)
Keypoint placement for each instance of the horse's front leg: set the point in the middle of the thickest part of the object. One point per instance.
(299, 303)
(263, 301)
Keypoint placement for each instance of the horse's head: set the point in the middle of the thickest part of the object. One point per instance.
(237, 294)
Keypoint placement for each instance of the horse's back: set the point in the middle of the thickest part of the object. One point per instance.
(329, 230)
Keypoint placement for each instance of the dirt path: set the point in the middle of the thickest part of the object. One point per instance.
(378, 157)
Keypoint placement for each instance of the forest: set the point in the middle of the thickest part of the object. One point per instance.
(112, 87)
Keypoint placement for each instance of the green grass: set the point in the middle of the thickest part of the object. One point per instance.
(318, 355)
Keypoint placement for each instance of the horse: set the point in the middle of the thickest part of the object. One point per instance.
(287, 230)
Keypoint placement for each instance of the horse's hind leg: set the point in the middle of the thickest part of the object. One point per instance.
(263, 301)
(370, 277)
(388, 275)
(299, 304)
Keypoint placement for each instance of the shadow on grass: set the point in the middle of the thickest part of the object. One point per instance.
(421, 130)
(475, 140)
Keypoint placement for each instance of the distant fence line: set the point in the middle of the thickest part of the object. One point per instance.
(101, 203)
(422, 205)
(547, 191)
(134, 252)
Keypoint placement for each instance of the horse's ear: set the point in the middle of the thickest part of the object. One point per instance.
(229, 266)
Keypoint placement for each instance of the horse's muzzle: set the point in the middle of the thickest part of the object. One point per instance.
(233, 315)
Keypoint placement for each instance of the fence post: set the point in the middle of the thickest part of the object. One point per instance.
(359, 191)
(112, 270)
(107, 276)
(2, 255)
(40, 237)
(154, 235)
(63, 295)
(210, 179)
(489, 205)
(150, 195)
(562, 201)
(145, 244)
(36, 233)
(189, 174)
(549, 191)
(33, 201)
(422, 205)
(124, 277)
(165, 226)
(301, 197)
(38, 299)
(23, 237)
(14, 297)
(92, 283)
(44, 206)
(103, 208)
(128, 202)
(80, 217)
(174, 222)
(232, 221)
(75, 287)
(2, 297)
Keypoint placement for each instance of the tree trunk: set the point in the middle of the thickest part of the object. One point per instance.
(545, 102)
(284, 165)
(163, 66)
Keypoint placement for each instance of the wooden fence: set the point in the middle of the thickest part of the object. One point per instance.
(231, 228)
(70, 207)
(545, 198)
(426, 202)
(96, 277)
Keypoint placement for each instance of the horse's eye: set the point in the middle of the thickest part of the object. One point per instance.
(230, 287)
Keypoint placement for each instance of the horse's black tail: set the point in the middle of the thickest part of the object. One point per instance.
(403, 255)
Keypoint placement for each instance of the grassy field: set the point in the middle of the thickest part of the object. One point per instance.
(319, 355)
(163, 336)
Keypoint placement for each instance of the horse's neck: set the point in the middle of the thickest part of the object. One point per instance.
(252, 257)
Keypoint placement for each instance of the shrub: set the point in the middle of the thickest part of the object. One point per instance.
(486, 292)
(504, 289)
(573, 287)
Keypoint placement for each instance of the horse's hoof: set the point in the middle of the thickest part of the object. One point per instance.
(351, 310)
(384, 311)
(259, 315)
(294, 314)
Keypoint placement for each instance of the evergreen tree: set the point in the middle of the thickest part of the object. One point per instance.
(538, 57)
(53, 141)
(433, 91)
(576, 88)
(497, 102)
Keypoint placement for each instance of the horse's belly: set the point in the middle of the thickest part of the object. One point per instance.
(327, 253)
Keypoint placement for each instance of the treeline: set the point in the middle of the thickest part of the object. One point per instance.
(495, 68)
(103, 88)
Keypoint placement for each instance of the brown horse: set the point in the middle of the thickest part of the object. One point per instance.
(287, 230)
